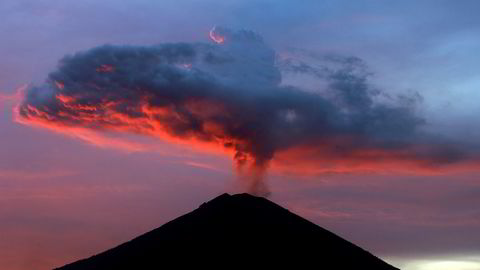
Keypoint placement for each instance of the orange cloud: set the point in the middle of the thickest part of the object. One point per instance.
(88, 135)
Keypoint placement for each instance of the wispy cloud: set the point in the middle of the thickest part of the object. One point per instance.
(205, 166)
(16, 174)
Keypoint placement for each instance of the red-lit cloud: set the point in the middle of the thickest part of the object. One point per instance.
(216, 36)
(413, 159)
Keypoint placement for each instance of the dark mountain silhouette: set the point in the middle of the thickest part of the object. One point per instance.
(234, 230)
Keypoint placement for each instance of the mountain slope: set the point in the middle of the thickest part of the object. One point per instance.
(235, 230)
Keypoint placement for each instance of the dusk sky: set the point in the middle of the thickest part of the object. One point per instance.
(361, 116)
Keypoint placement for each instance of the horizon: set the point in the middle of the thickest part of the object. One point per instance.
(360, 117)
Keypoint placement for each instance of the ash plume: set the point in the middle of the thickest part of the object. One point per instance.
(229, 93)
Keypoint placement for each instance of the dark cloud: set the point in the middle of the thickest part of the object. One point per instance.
(230, 94)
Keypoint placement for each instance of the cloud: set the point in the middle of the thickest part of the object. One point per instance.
(204, 166)
(17, 96)
(229, 95)
(88, 135)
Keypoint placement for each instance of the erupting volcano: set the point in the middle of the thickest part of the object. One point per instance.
(240, 229)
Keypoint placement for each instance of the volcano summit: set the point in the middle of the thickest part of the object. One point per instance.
(235, 230)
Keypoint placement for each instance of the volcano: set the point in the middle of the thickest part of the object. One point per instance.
(234, 230)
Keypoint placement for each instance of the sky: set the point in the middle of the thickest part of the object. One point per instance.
(393, 85)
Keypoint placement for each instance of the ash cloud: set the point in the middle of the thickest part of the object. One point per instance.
(230, 93)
